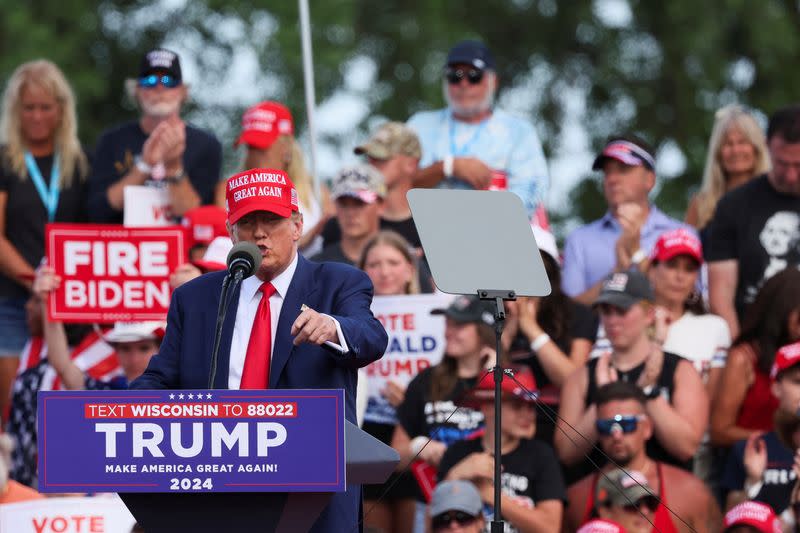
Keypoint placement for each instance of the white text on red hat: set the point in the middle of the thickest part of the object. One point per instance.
(256, 177)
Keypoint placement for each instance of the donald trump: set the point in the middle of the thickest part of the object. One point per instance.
(294, 324)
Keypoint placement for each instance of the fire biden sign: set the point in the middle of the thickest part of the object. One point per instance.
(112, 273)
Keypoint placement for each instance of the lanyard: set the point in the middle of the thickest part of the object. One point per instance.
(49, 196)
(465, 148)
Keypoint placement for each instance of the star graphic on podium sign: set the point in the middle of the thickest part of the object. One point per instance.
(171, 396)
(180, 396)
(191, 396)
(208, 396)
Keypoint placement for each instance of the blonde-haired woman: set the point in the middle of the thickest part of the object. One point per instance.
(268, 134)
(391, 264)
(737, 152)
(42, 179)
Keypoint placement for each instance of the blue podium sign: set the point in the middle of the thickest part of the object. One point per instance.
(192, 441)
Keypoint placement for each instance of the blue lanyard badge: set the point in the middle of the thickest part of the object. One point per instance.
(466, 148)
(49, 196)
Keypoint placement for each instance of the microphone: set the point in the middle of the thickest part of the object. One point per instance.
(244, 258)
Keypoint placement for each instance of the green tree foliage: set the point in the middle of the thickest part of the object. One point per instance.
(659, 68)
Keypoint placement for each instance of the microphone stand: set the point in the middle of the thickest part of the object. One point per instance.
(222, 311)
(498, 296)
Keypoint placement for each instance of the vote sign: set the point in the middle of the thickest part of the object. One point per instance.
(66, 515)
(191, 441)
(112, 273)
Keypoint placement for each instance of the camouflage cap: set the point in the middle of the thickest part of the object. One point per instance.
(390, 139)
(364, 182)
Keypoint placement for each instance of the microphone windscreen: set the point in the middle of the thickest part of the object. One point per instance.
(246, 252)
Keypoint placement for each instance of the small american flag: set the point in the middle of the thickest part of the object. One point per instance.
(93, 356)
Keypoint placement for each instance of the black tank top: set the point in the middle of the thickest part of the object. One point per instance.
(665, 381)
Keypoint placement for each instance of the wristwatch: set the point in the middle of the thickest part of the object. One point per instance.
(177, 177)
(142, 166)
(651, 392)
(638, 256)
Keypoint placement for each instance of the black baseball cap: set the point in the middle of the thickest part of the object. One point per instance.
(161, 60)
(473, 53)
(624, 289)
(468, 309)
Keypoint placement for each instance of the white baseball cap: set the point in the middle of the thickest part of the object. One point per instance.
(546, 241)
(135, 332)
(216, 256)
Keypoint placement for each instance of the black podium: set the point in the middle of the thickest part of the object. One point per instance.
(368, 461)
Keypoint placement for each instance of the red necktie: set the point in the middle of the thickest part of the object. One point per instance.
(256, 363)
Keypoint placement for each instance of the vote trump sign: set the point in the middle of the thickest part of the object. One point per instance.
(112, 273)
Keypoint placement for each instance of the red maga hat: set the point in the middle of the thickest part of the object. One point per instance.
(260, 189)
(263, 123)
(755, 514)
(785, 358)
(522, 386)
(204, 224)
(676, 242)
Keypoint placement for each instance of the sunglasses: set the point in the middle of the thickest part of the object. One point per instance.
(168, 81)
(445, 519)
(643, 504)
(455, 75)
(624, 423)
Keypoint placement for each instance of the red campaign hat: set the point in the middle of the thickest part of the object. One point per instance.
(785, 358)
(599, 525)
(263, 123)
(204, 224)
(522, 386)
(755, 514)
(677, 242)
(260, 189)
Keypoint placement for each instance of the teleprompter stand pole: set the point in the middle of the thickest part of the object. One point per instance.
(499, 297)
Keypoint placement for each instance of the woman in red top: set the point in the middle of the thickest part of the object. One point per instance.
(743, 403)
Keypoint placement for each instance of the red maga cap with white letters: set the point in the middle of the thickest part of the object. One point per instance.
(263, 123)
(679, 241)
(260, 189)
(758, 515)
(785, 358)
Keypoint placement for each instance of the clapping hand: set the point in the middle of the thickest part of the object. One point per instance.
(631, 218)
(755, 458)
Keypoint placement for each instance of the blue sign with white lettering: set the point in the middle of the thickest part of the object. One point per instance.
(191, 441)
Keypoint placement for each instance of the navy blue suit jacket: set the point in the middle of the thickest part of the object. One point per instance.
(338, 290)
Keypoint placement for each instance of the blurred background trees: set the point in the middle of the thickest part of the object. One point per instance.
(578, 70)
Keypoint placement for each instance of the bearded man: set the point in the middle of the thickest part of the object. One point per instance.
(472, 145)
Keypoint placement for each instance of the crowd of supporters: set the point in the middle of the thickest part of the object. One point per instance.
(656, 388)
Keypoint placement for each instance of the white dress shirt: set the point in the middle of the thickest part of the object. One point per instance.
(249, 298)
